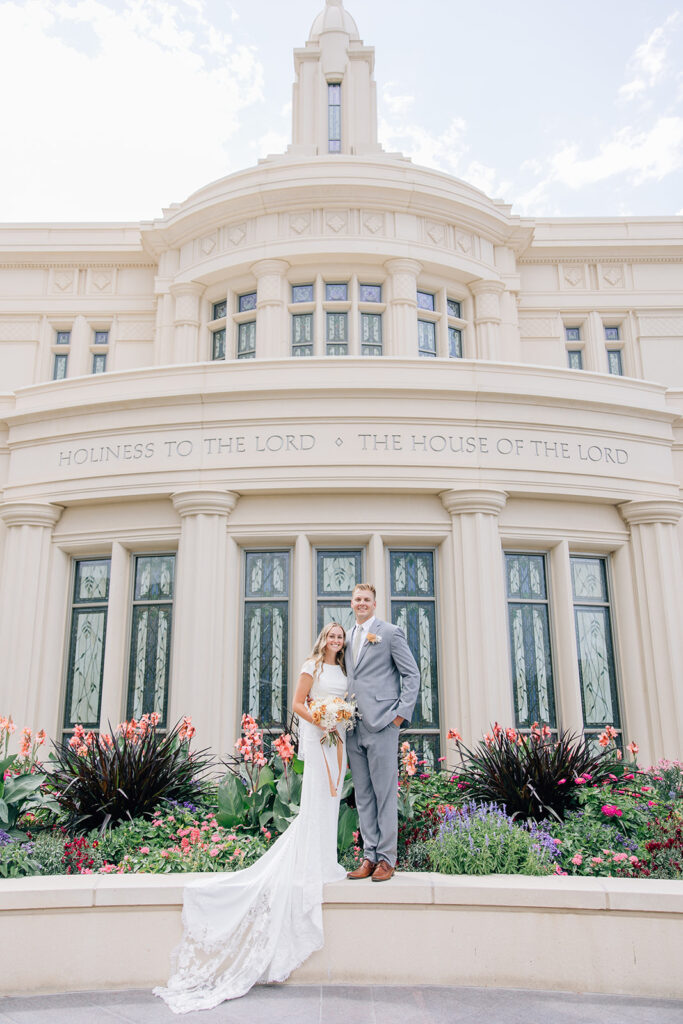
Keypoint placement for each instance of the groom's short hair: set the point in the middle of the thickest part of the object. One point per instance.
(365, 586)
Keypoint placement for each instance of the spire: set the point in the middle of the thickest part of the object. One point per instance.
(334, 107)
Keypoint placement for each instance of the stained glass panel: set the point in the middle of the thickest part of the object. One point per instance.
(336, 326)
(530, 652)
(336, 292)
(149, 660)
(220, 309)
(92, 581)
(265, 661)
(341, 613)
(454, 343)
(87, 643)
(63, 337)
(246, 340)
(412, 573)
(99, 363)
(575, 359)
(88, 632)
(150, 646)
(572, 333)
(218, 344)
(525, 577)
(596, 667)
(371, 334)
(614, 362)
(247, 302)
(611, 334)
(453, 308)
(59, 369)
(302, 334)
(371, 293)
(589, 581)
(425, 300)
(426, 338)
(417, 620)
(302, 293)
(267, 573)
(338, 572)
(101, 337)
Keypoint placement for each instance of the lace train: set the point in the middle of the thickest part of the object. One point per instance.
(261, 923)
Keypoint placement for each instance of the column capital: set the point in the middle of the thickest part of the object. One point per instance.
(653, 510)
(264, 267)
(208, 503)
(487, 301)
(187, 288)
(403, 266)
(467, 502)
(30, 513)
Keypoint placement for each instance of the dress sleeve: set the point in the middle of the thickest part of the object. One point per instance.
(308, 667)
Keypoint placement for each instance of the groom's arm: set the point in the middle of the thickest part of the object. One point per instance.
(410, 675)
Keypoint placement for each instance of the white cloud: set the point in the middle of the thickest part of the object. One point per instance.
(643, 155)
(649, 62)
(136, 113)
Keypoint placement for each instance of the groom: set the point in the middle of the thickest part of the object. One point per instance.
(384, 677)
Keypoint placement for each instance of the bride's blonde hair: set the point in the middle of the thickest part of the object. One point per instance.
(318, 652)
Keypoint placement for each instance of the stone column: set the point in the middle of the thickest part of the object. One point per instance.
(487, 317)
(479, 616)
(24, 590)
(272, 334)
(402, 338)
(169, 262)
(659, 595)
(186, 321)
(200, 648)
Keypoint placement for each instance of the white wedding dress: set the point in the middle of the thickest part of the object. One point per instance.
(259, 924)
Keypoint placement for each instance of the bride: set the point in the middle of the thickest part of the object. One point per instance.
(259, 924)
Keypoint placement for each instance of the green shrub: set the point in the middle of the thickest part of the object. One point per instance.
(481, 839)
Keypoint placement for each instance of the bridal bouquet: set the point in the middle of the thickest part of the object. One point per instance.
(333, 714)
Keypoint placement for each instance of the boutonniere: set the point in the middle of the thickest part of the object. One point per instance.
(374, 638)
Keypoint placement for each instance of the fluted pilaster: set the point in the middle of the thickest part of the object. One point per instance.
(24, 588)
(200, 646)
(479, 615)
(656, 559)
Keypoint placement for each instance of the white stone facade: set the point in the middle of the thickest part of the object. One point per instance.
(458, 430)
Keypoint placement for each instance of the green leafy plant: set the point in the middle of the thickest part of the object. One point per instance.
(22, 781)
(532, 776)
(101, 780)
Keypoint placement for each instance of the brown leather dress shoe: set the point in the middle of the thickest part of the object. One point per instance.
(366, 869)
(382, 872)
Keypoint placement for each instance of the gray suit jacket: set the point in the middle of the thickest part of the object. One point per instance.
(386, 678)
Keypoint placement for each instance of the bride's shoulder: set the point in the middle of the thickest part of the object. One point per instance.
(308, 668)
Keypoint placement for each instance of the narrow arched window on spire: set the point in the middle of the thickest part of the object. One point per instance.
(334, 117)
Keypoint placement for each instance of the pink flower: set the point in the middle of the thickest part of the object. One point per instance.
(611, 811)
(164, 854)
(618, 857)
(577, 859)
(454, 735)
(597, 860)
(650, 803)
(561, 782)
(144, 849)
(214, 851)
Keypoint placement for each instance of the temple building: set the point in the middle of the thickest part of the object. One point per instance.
(340, 366)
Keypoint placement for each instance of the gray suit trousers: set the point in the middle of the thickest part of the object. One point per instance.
(373, 757)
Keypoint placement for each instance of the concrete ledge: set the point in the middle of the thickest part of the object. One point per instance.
(610, 935)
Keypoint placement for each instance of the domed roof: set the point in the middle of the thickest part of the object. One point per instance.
(334, 19)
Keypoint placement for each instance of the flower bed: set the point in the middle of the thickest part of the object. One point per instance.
(515, 804)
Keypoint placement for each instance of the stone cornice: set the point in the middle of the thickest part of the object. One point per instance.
(207, 503)
(657, 510)
(30, 513)
(469, 502)
(584, 257)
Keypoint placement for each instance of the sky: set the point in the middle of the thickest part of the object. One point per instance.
(111, 110)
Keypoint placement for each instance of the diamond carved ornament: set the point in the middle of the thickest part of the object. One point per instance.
(436, 232)
(102, 279)
(614, 276)
(336, 221)
(64, 279)
(573, 276)
(374, 222)
(208, 244)
(237, 233)
(300, 222)
(464, 242)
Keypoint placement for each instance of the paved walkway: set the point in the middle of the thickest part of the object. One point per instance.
(329, 1004)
